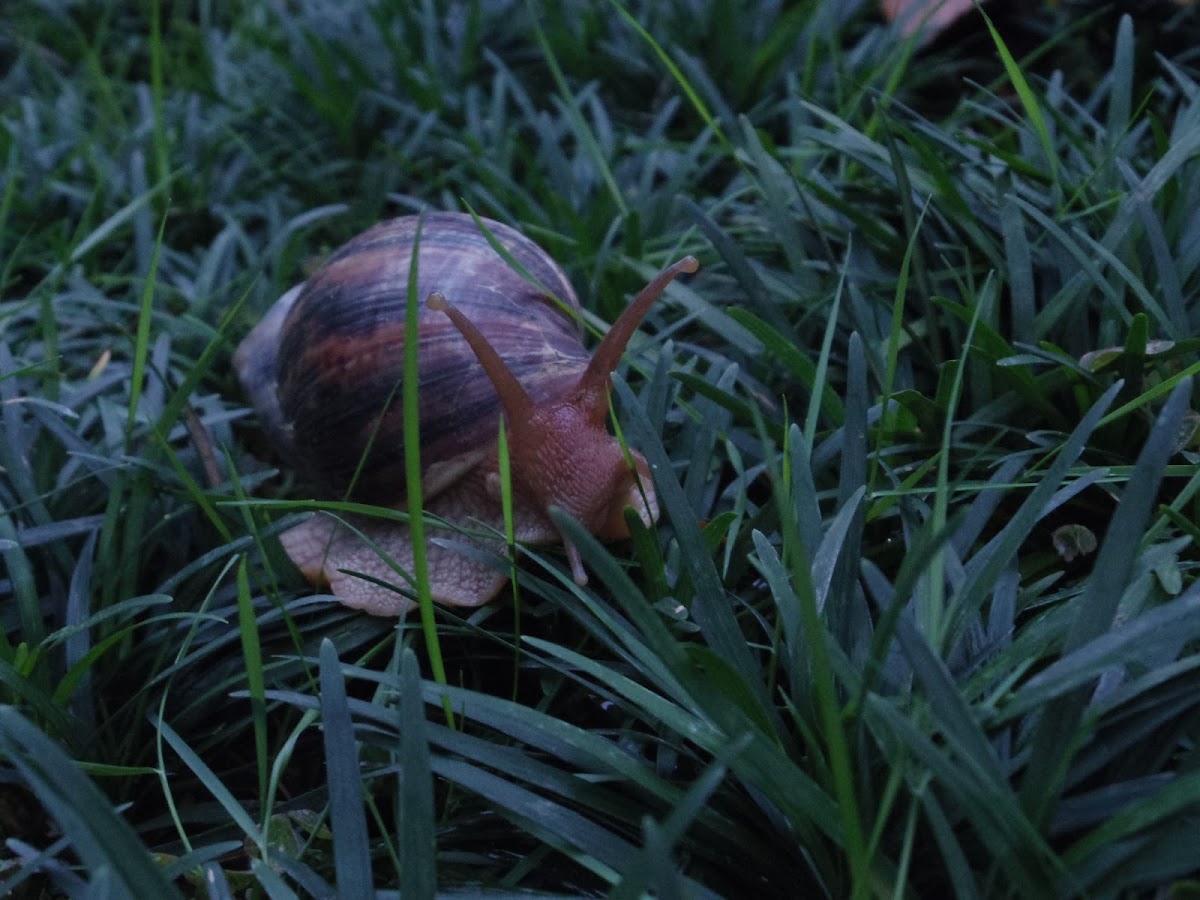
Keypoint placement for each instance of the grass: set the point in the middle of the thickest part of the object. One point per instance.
(943, 336)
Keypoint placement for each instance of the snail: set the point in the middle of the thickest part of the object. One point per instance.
(323, 369)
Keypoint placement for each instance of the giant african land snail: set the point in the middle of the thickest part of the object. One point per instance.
(326, 360)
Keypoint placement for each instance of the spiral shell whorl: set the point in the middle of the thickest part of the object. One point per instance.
(341, 349)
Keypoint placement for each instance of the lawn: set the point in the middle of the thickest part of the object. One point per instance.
(920, 616)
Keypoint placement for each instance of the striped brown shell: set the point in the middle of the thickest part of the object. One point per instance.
(324, 366)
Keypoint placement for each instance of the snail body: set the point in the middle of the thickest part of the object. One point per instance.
(323, 370)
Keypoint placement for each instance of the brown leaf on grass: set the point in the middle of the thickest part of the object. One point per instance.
(931, 15)
(1071, 541)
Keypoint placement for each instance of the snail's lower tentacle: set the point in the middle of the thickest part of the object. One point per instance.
(575, 560)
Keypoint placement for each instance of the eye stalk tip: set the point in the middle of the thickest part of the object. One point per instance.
(437, 300)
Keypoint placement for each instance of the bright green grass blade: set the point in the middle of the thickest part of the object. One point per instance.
(418, 848)
(821, 377)
(100, 837)
(194, 491)
(175, 405)
(1028, 99)
(1148, 396)
(110, 226)
(412, 471)
(896, 331)
(141, 345)
(112, 641)
(916, 265)
(351, 848)
(517, 266)
(504, 469)
(161, 145)
(255, 682)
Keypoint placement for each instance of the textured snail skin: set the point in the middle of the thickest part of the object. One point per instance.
(320, 369)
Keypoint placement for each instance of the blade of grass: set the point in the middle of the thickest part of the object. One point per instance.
(582, 131)
(1027, 97)
(1153, 634)
(1054, 741)
(100, 837)
(669, 64)
(510, 539)
(932, 613)
(762, 763)
(1178, 796)
(643, 870)
(985, 566)
(255, 682)
(412, 472)
(351, 848)
(141, 344)
(712, 613)
(209, 779)
(418, 846)
(829, 710)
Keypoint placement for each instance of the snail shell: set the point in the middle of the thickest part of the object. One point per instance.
(325, 365)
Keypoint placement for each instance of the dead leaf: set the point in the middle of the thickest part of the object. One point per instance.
(1071, 541)
(931, 15)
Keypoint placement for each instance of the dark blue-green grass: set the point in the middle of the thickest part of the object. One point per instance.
(929, 329)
